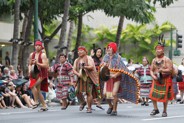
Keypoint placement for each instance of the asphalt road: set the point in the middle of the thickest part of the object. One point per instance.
(127, 113)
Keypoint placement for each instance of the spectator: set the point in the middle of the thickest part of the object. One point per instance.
(174, 83)
(6, 73)
(1, 75)
(53, 61)
(7, 59)
(14, 96)
(2, 103)
(130, 62)
(25, 90)
(24, 97)
(13, 75)
(20, 72)
(51, 94)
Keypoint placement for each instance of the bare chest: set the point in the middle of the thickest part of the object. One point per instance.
(36, 57)
(159, 63)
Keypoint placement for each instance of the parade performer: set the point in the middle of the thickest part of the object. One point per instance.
(145, 80)
(120, 83)
(97, 57)
(161, 72)
(38, 72)
(181, 84)
(64, 79)
(88, 83)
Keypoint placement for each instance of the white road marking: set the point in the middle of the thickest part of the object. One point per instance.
(162, 118)
(23, 112)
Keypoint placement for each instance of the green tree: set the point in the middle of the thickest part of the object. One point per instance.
(136, 10)
(142, 40)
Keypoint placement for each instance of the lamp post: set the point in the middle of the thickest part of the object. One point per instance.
(171, 46)
(36, 20)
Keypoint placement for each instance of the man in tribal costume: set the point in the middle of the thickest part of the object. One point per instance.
(88, 82)
(161, 72)
(119, 83)
(40, 82)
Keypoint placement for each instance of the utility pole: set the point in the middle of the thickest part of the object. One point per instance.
(171, 46)
(36, 20)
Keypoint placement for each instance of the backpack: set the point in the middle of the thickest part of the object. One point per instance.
(179, 77)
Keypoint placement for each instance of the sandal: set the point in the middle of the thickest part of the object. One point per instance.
(143, 103)
(100, 107)
(181, 102)
(91, 109)
(43, 109)
(13, 106)
(82, 106)
(88, 110)
(35, 106)
(64, 108)
(146, 104)
(109, 111)
(154, 112)
(164, 114)
(114, 113)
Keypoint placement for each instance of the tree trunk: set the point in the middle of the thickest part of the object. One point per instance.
(26, 49)
(47, 40)
(79, 32)
(22, 36)
(64, 27)
(119, 31)
(46, 46)
(70, 36)
(55, 32)
(16, 34)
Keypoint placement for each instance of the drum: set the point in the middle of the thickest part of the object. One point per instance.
(160, 77)
(104, 73)
(34, 71)
(83, 74)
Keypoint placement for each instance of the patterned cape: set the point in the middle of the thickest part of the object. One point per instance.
(93, 76)
(129, 83)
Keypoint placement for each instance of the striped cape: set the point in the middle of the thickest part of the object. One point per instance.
(129, 83)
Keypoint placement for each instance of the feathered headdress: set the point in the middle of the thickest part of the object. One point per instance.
(161, 42)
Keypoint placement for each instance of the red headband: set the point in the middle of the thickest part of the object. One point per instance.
(82, 48)
(159, 47)
(39, 43)
(113, 46)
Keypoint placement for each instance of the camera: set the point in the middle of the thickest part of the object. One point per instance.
(83, 64)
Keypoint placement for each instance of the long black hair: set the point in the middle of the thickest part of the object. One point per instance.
(95, 56)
